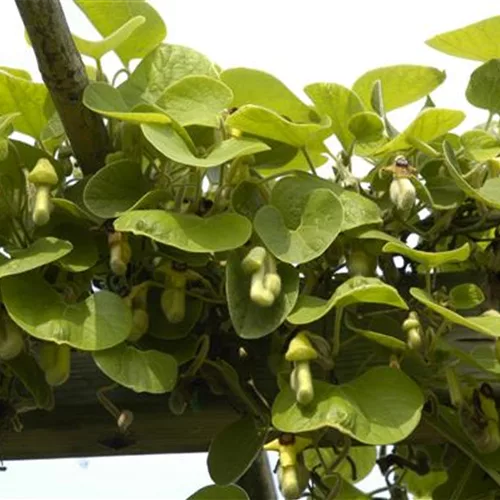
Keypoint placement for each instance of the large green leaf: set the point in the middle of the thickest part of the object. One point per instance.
(250, 320)
(233, 450)
(479, 41)
(38, 254)
(441, 193)
(401, 84)
(480, 145)
(321, 221)
(366, 126)
(101, 321)
(340, 104)
(290, 194)
(111, 15)
(358, 210)
(160, 69)
(429, 259)
(115, 188)
(430, 124)
(382, 406)
(251, 86)
(26, 369)
(188, 232)
(97, 49)
(169, 143)
(488, 193)
(142, 371)
(354, 290)
(28, 98)
(466, 296)
(487, 325)
(108, 101)
(84, 254)
(483, 90)
(196, 100)
(263, 122)
(213, 492)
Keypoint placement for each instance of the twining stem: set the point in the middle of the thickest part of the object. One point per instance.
(336, 331)
(428, 281)
(309, 161)
(489, 120)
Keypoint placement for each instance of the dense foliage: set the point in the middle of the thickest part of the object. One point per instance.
(227, 246)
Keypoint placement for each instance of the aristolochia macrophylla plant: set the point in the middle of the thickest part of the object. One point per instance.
(225, 229)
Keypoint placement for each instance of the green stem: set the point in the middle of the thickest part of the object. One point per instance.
(428, 281)
(336, 331)
(489, 120)
(280, 174)
(309, 161)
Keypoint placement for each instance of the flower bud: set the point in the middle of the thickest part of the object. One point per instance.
(402, 193)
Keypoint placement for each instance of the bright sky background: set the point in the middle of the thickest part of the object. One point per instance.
(300, 43)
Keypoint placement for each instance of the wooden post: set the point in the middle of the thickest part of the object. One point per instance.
(64, 75)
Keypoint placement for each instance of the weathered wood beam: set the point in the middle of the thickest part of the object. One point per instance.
(64, 75)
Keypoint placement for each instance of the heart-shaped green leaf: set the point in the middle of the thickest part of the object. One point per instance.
(339, 104)
(429, 259)
(248, 197)
(143, 39)
(290, 194)
(480, 145)
(142, 371)
(26, 369)
(84, 254)
(483, 89)
(382, 406)
(188, 232)
(358, 210)
(440, 193)
(97, 49)
(430, 124)
(250, 320)
(263, 122)
(161, 68)
(479, 41)
(41, 252)
(466, 296)
(233, 450)
(366, 126)
(169, 143)
(321, 221)
(482, 356)
(487, 325)
(108, 101)
(196, 100)
(115, 188)
(354, 290)
(251, 86)
(401, 84)
(230, 492)
(101, 321)
(488, 193)
(30, 99)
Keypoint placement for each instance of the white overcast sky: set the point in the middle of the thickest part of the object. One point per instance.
(300, 42)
